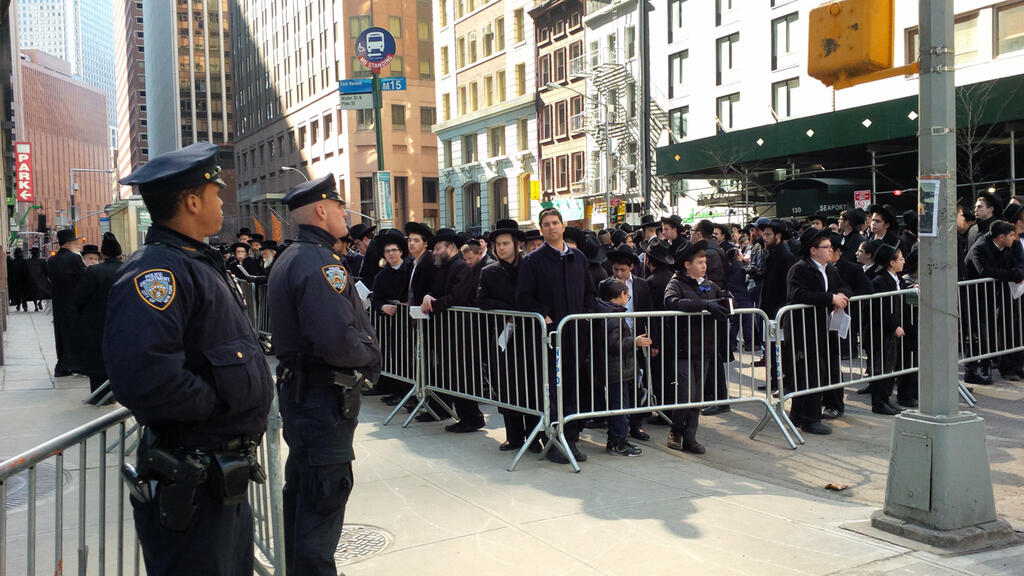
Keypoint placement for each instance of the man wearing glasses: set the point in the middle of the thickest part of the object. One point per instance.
(815, 282)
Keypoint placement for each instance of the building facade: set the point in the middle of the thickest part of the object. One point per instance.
(63, 138)
(187, 56)
(290, 126)
(487, 128)
(132, 129)
(731, 73)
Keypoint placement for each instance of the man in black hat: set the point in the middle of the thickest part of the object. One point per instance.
(65, 269)
(850, 224)
(91, 255)
(454, 286)
(361, 236)
(38, 283)
(987, 208)
(327, 350)
(651, 227)
(533, 241)
(623, 260)
(812, 281)
(672, 232)
(244, 235)
(990, 257)
(775, 266)
(182, 356)
(91, 308)
(883, 224)
(554, 283)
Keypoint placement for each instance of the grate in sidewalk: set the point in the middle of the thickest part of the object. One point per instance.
(17, 486)
(359, 542)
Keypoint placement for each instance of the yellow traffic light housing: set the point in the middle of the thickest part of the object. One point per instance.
(851, 42)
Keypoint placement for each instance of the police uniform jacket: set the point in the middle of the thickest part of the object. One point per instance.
(179, 349)
(554, 284)
(777, 262)
(91, 306)
(315, 310)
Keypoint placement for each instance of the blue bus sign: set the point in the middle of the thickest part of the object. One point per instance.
(355, 86)
(375, 48)
(392, 83)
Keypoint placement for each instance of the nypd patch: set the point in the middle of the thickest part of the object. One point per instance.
(336, 276)
(156, 288)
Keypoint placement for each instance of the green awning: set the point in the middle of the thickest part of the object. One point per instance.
(873, 123)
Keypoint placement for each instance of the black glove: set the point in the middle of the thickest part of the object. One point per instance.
(718, 311)
(370, 374)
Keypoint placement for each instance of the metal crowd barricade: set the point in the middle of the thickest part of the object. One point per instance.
(491, 357)
(267, 499)
(990, 320)
(26, 472)
(593, 382)
(262, 310)
(398, 335)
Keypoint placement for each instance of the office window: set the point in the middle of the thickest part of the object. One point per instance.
(447, 145)
(460, 8)
(488, 90)
(474, 97)
(727, 107)
(561, 119)
(631, 99)
(630, 42)
(472, 48)
(488, 41)
(460, 52)
(965, 40)
(423, 30)
(328, 129)
(677, 73)
(442, 13)
(426, 68)
(520, 79)
(562, 167)
(783, 42)
(364, 119)
(544, 66)
(547, 174)
(559, 74)
(577, 122)
(314, 132)
(543, 34)
(523, 134)
(499, 79)
(496, 141)
(725, 11)
(430, 187)
(1010, 28)
(469, 148)
(612, 52)
(444, 60)
(428, 117)
(446, 107)
(356, 25)
(499, 34)
(725, 58)
(519, 22)
(677, 119)
(398, 117)
(545, 123)
(463, 100)
(558, 26)
(675, 20)
(302, 137)
(782, 97)
(395, 26)
(396, 66)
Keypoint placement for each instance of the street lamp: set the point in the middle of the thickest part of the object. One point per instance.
(301, 173)
(71, 179)
(607, 147)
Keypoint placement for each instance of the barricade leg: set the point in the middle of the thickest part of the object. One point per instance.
(967, 396)
(408, 396)
(769, 415)
(530, 439)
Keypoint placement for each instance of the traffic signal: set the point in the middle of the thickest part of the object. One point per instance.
(41, 223)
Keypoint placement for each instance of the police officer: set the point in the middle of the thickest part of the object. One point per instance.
(321, 334)
(182, 356)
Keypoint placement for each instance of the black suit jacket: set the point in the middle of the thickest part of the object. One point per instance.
(777, 262)
(850, 244)
(806, 286)
(986, 260)
(453, 285)
(65, 269)
(90, 303)
(421, 278)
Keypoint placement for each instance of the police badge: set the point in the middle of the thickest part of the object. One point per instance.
(336, 276)
(156, 288)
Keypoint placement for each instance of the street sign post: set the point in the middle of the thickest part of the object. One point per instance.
(356, 101)
(355, 86)
(382, 197)
(375, 48)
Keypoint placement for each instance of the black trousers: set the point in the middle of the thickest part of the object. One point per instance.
(218, 542)
(317, 479)
(694, 374)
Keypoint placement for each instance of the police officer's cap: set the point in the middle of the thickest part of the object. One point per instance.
(192, 166)
(323, 188)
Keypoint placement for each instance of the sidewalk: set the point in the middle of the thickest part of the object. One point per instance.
(445, 503)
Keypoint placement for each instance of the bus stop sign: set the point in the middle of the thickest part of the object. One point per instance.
(375, 48)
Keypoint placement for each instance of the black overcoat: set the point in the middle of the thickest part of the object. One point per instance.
(91, 309)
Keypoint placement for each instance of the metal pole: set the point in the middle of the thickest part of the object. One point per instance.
(377, 104)
(874, 175)
(645, 108)
(71, 216)
(607, 168)
(939, 473)
(1013, 162)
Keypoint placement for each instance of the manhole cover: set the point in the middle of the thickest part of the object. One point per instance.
(17, 486)
(359, 542)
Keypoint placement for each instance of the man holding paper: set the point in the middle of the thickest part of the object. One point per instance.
(815, 282)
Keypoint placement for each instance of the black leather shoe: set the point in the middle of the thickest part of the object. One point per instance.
(693, 447)
(577, 453)
(424, 417)
(639, 434)
(976, 377)
(864, 390)
(907, 403)
(713, 410)
(536, 447)
(816, 428)
(885, 410)
(831, 414)
(462, 427)
(62, 373)
(506, 447)
(675, 441)
(760, 362)
(555, 455)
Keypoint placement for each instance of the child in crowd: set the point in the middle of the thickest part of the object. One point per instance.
(620, 366)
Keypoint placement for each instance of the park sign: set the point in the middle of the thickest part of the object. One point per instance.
(375, 48)
(24, 190)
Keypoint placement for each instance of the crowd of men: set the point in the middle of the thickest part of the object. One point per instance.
(77, 278)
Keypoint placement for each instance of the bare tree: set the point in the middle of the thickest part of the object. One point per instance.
(974, 139)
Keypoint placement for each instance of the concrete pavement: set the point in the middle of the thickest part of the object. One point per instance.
(447, 504)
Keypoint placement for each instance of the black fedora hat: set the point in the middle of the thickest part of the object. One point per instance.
(91, 249)
(624, 254)
(66, 235)
(649, 221)
(687, 251)
(449, 235)
(626, 227)
(269, 245)
(810, 238)
(595, 252)
(884, 254)
(509, 226)
(575, 235)
(886, 213)
(824, 217)
(995, 201)
(674, 220)
(244, 231)
(855, 216)
(392, 236)
(1013, 212)
(619, 236)
(659, 251)
(360, 231)
(780, 227)
(420, 229)
(533, 234)
(238, 245)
